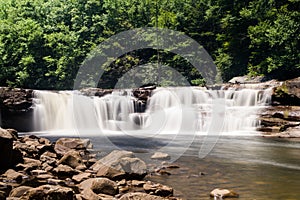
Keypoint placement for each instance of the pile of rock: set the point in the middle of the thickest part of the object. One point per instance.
(35, 168)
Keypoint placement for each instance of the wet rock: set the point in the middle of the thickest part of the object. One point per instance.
(46, 192)
(82, 176)
(140, 196)
(19, 191)
(6, 149)
(223, 193)
(161, 156)
(158, 189)
(73, 159)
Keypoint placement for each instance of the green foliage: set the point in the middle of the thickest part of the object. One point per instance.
(43, 43)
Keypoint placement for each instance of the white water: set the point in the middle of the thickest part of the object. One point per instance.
(169, 110)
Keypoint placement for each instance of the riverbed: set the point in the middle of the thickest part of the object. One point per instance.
(255, 167)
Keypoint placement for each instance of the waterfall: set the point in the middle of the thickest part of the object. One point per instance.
(169, 110)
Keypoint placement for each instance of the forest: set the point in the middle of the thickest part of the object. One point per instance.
(43, 43)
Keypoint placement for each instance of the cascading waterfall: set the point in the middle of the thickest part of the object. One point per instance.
(169, 110)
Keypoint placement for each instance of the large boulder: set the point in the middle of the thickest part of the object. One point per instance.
(46, 192)
(6, 149)
(120, 164)
(99, 186)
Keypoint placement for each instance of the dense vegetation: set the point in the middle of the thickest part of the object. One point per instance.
(43, 43)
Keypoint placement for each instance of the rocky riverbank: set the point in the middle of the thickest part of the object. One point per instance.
(35, 168)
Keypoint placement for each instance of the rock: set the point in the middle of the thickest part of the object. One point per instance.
(82, 176)
(5, 187)
(73, 159)
(237, 80)
(140, 196)
(128, 168)
(99, 185)
(288, 93)
(14, 176)
(120, 164)
(111, 158)
(158, 189)
(104, 186)
(19, 191)
(2, 195)
(46, 192)
(137, 183)
(74, 143)
(223, 193)
(64, 171)
(161, 156)
(6, 149)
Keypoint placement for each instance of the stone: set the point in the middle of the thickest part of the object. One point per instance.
(64, 171)
(158, 189)
(104, 186)
(6, 149)
(140, 196)
(19, 191)
(5, 187)
(63, 145)
(14, 176)
(73, 159)
(111, 158)
(223, 193)
(99, 185)
(46, 192)
(81, 176)
(128, 168)
(137, 183)
(161, 156)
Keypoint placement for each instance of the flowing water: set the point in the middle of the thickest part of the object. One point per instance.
(213, 132)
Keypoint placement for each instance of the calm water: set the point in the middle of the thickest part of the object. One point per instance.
(257, 168)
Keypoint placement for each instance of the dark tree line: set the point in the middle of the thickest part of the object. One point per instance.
(43, 43)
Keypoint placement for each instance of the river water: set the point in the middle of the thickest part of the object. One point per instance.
(211, 135)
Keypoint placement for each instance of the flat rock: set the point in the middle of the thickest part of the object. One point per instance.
(81, 176)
